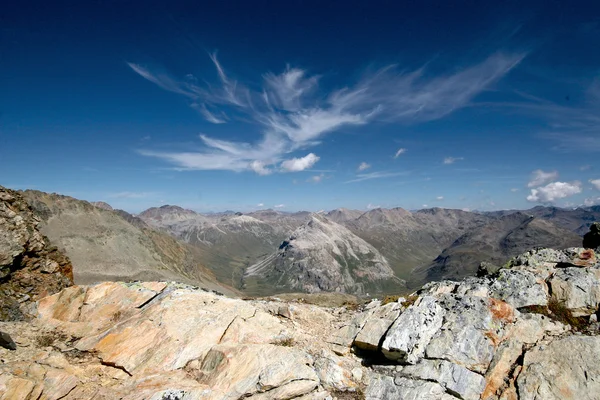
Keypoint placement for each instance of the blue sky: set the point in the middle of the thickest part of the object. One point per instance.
(300, 105)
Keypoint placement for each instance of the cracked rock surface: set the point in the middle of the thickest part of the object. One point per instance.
(529, 331)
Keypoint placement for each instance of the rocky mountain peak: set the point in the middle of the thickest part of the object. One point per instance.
(30, 268)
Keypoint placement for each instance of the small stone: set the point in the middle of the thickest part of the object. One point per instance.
(7, 342)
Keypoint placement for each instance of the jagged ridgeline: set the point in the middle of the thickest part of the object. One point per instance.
(267, 252)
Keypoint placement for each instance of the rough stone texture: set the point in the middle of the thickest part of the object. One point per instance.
(30, 268)
(385, 388)
(578, 289)
(564, 369)
(377, 325)
(468, 340)
(166, 340)
(412, 331)
(520, 288)
(454, 378)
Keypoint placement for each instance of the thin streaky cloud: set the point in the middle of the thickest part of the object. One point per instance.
(400, 152)
(377, 175)
(452, 160)
(293, 114)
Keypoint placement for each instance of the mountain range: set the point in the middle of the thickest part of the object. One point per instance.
(268, 251)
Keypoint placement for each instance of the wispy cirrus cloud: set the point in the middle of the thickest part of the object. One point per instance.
(377, 175)
(293, 115)
(452, 160)
(572, 126)
(400, 151)
(540, 177)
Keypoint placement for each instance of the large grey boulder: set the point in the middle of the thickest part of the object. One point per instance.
(411, 332)
(578, 289)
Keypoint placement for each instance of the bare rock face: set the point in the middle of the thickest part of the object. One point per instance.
(30, 268)
(325, 256)
(450, 340)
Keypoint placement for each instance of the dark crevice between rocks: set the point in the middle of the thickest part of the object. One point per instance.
(149, 300)
(66, 394)
(372, 357)
(227, 328)
(114, 365)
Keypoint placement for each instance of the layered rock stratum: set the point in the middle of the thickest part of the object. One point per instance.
(30, 267)
(528, 332)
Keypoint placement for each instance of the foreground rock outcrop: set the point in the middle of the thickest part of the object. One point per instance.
(30, 268)
(529, 331)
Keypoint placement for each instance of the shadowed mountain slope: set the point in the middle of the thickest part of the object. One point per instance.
(106, 245)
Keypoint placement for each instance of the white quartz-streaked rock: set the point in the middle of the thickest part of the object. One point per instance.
(410, 334)
(456, 379)
(377, 325)
(578, 289)
(387, 388)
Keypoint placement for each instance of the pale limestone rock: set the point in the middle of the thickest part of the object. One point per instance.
(472, 328)
(57, 384)
(520, 288)
(578, 289)
(456, 379)
(334, 375)
(386, 388)
(564, 369)
(12, 387)
(410, 334)
(377, 325)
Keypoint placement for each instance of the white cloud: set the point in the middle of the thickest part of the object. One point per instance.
(260, 168)
(279, 206)
(372, 206)
(400, 152)
(425, 206)
(514, 190)
(292, 114)
(539, 177)
(591, 201)
(595, 183)
(554, 191)
(363, 165)
(316, 178)
(260, 205)
(585, 167)
(299, 164)
(376, 175)
(439, 198)
(452, 160)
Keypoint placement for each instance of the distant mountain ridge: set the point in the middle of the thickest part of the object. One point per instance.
(411, 242)
(270, 251)
(108, 244)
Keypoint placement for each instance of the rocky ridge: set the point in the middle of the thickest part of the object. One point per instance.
(529, 331)
(112, 245)
(30, 268)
